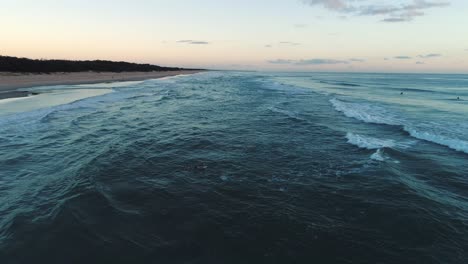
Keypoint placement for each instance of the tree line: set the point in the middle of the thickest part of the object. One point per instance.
(18, 65)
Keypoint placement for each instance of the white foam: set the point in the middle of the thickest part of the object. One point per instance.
(456, 144)
(378, 155)
(369, 142)
(365, 112)
(224, 178)
(107, 85)
(366, 142)
(439, 133)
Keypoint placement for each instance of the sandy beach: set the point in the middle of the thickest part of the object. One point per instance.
(9, 82)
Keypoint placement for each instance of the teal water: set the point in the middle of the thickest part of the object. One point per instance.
(230, 167)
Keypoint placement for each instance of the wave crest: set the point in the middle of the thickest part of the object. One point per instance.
(378, 115)
(369, 142)
(453, 143)
(365, 112)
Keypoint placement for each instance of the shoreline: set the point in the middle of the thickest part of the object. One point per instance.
(15, 94)
(11, 82)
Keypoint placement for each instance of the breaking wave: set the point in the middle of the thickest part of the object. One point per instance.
(369, 142)
(365, 112)
(373, 114)
(455, 144)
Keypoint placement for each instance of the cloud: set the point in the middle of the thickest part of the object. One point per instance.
(193, 42)
(281, 61)
(402, 12)
(301, 25)
(394, 19)
(200, 42)
(431, 55)
(308, 62)
(268, 46)
(289, 43)
(402, 57)
(420, 62)
(320, 62)
(356, 60)
(337, 5)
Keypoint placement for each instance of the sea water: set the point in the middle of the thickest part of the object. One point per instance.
(236, 167)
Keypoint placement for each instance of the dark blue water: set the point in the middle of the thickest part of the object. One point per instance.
(238, 168)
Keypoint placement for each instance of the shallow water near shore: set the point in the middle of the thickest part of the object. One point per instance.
(228, 167)
(48, 98)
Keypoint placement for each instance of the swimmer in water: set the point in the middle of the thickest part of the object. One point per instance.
(401, 93)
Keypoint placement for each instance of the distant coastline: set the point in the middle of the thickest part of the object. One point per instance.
(16, 73)
(25, 65)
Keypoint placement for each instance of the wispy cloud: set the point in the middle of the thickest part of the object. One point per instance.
(402, 12)
(281, 61)
(394, 19)
(200, 42)
(320, 62)
(337, 5)
(289, 43)
(308, 62)
(356, 60)
(194, 42)
(420, 62)
(402, 57)
(431, 55)
(268, 46)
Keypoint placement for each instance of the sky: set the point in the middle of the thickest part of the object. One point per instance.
(281, 35)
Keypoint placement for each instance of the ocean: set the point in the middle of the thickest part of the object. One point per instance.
(238, 167)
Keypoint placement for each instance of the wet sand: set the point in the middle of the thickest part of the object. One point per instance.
(14, 94)
(9, 82)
